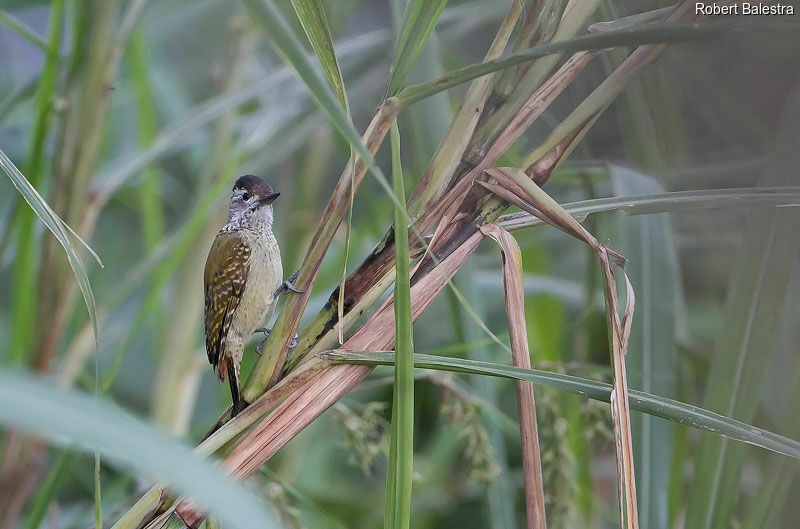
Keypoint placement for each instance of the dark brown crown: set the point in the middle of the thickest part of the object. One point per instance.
(252, 184)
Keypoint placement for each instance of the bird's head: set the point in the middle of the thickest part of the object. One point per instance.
(251, 202)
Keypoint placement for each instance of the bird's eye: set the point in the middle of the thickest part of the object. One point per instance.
(246, 196)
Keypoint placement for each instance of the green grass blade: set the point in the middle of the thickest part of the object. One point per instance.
(289, 47)
(57, 227)
(665, 408)
(653, 270)
(403, 404)
(312, 16)
(41, 409)
(315, 24)
(653, 34)
(419, 19)
(26, 263)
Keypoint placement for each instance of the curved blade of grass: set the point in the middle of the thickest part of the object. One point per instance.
(402, 458)
(619, 328)
(653, 34)
(632, 20)
(419, 19)
(39, 408)
(747, 197)
(658, 406)
(57, 227)
(289, 47)
(312, 16)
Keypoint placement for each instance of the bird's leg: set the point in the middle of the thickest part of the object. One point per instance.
(294, 342)
(260, 346)
(287, 286)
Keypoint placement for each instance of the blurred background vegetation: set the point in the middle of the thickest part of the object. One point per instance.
(139, 159)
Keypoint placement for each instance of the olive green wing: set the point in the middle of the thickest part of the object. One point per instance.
(224, 279)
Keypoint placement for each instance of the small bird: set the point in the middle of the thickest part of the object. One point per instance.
(242, 279)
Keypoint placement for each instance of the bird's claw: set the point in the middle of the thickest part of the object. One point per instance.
(260, 346)
(288, 286)
(293, 344)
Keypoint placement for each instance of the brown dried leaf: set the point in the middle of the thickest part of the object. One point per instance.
(529, 434)
(552, 213)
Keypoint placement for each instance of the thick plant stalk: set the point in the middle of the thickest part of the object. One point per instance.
(518, 332)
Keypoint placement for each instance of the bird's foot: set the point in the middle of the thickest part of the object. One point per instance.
(288, 286)
(266, 335)
(266, 332)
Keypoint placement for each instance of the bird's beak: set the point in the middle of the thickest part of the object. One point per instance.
(267, 199)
